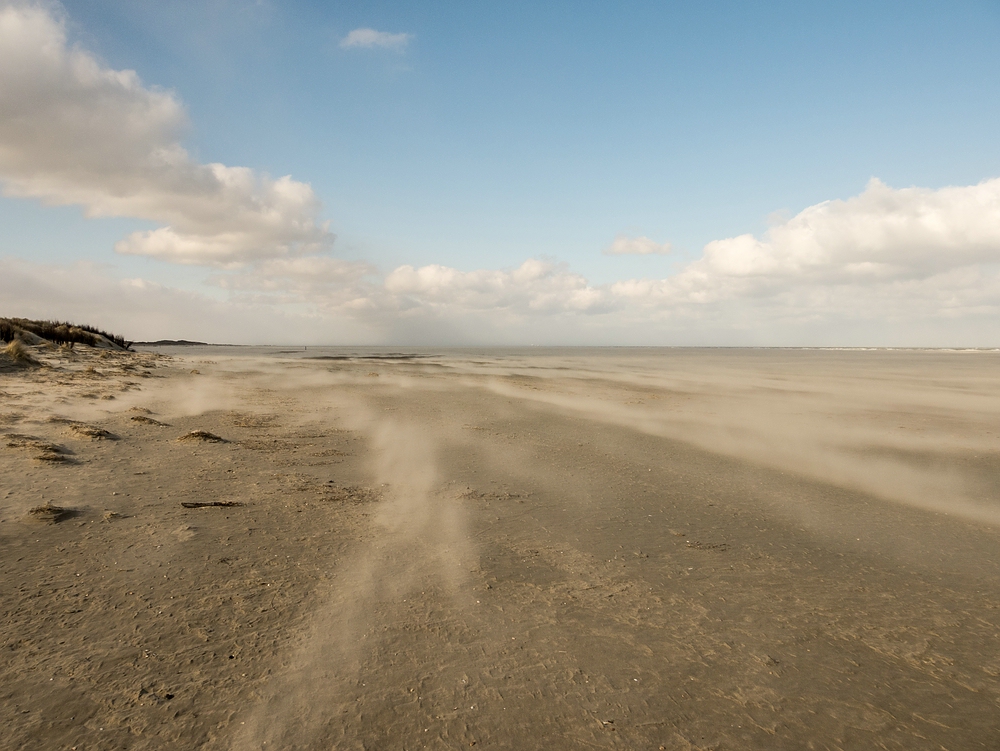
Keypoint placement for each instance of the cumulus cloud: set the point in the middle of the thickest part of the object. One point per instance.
(882, 233)
(903, 258)
(352, 287)
(533, 287)
(73, 131)
(370, 38)
(913, 252)
(883, 238)
(636, 246)
(914, 267)
(901, 262)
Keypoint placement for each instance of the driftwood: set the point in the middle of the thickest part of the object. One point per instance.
(207, 504)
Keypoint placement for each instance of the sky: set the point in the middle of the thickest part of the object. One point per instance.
(718, 173)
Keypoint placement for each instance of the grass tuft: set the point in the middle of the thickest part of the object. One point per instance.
(17, 351)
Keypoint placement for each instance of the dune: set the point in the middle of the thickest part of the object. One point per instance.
(531, 549)
(59, 332)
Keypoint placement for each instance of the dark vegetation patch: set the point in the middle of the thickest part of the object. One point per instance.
(48, 452)
(8, 332)
(21, 441)
(83, 430)
(58, 332)
(148, 421)
(49, 514)
(201, 435)
(52, 457)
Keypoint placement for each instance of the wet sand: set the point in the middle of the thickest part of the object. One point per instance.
(622, 549)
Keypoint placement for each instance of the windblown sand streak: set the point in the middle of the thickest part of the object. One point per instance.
(419, 540)
(771, 436)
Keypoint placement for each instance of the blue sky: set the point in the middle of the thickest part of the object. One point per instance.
(499, 133)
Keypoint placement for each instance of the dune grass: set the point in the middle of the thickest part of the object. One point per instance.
(17, 351)
(8, 332)
(58, 332)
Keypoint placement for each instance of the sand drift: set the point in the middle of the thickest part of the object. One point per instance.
(234, 548)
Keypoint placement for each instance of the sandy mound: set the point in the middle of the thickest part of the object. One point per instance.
(84, 430)
(48, 452)
(92, 432)
(21, 441)
(201, 435)
(49, 514)
(17, 355)
(148, 421)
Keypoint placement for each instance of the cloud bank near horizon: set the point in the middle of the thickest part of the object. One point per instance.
(899, 255)
(912, 267)
(74, 132)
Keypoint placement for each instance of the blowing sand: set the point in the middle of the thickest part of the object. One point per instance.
(234, 549)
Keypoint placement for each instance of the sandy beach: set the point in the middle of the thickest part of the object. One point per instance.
(235, 548)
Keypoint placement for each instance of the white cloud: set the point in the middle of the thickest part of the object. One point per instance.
(533, 287)
(879, 234)
(881, 238)
(356, 288)
(75, 132)
(910, 261)
(326, 284)
(912, 266)
(636, 246)
(885, 252)
(370, 38)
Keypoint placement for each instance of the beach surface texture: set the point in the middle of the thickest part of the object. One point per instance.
(275, 548)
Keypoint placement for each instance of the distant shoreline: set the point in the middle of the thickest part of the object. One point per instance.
(180, 343)
(561, 347)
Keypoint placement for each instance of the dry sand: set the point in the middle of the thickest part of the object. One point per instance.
(622, 549)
